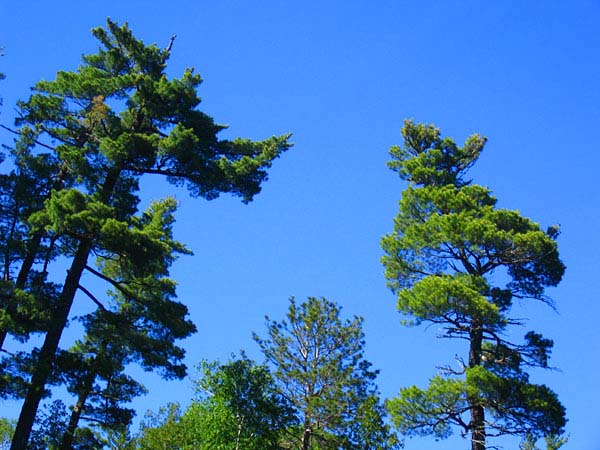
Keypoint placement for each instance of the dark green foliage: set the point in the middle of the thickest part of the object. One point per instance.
(85, 139)
(52, 423)
(445, 260)
(318, 363)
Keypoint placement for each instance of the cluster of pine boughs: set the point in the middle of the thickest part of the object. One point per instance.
(72, 238)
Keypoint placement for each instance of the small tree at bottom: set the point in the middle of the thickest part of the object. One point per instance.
(318, 362)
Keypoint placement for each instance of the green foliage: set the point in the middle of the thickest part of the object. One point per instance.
(318, 363)
(52, 423)
(164, 430)
(85, 140)
(239, 407)
(427, 159)
(7, 428)
(553, 442)
(320, 397)
(446, 258)
(429, 412)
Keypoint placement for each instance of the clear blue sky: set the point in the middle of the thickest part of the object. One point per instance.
(342, 76)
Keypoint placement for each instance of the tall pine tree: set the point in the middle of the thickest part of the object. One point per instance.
(457, 260)
(85, 140)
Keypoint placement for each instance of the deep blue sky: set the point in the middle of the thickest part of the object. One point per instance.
(342, 76)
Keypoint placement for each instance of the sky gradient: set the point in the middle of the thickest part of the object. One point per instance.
(342, 76)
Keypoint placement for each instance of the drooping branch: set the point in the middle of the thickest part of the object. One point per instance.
(41, 144)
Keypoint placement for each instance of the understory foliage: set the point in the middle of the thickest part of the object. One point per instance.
(457, 260)
(240, 407)
(70, 196)
(237, 407)
(320, 394)
(7, 428)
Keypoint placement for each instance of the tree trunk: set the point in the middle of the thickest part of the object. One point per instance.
(477, 428)
(84, 392)
(239, 432)
(306, 437)
(45, 360)
(477, 424)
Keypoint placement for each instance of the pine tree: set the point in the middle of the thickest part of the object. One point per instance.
(86, 138)
(457, 260)
(318, 363)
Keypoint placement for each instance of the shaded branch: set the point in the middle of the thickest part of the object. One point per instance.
(92, 297)
(41, 144)
(114, 283)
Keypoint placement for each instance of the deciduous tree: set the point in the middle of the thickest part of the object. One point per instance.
(164, 430)
(239, 407)
(7, 428)
(457, 260)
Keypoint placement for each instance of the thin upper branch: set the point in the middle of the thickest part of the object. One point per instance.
(41, 144)
(92, 297)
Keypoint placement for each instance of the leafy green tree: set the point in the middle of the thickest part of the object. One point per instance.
(239, 407)
(7, 428)
(164, 430)
(456, 260)
(94, 132)
(318, 363)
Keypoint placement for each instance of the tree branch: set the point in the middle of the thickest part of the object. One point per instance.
(92, 297)
(116, 284)
(41, 144)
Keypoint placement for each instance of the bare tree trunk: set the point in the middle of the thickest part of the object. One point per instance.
(477, 428)
(45, 360)
(239, 433)
(67, 440)
(477, 424)
(306, 437)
